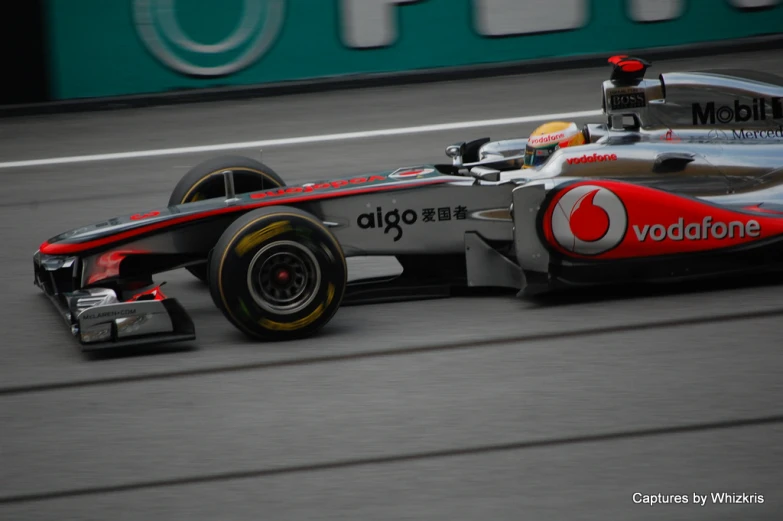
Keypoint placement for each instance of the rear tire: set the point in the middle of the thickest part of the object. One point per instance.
(205, 181)
(277, 274)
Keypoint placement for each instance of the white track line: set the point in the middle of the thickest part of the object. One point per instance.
(300, 140)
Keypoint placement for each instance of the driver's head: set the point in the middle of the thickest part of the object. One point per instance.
(549, 137)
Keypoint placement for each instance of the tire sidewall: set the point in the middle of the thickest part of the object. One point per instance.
(249, 176)
(247, 172)
(231, 261)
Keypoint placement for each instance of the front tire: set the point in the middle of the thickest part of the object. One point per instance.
(277, 274)
(205, 181)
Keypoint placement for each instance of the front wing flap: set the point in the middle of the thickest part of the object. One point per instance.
(133, 323)
(97, 317)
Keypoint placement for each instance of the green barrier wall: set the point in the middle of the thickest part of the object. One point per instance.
(117, 47)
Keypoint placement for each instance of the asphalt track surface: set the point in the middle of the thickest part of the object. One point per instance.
(461, 409)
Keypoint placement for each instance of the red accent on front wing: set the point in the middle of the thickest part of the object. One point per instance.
(648, 207)
(156, 293)
(107, 265)
(71, 248)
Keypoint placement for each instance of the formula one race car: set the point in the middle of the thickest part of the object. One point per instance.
(684, 180)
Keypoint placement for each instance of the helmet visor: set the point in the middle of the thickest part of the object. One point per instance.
(537, 156)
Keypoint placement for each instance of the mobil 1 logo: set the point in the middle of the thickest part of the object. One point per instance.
(759, 109)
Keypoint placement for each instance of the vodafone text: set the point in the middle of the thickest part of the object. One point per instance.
(698, 231)
(548, 138)
(595, 158)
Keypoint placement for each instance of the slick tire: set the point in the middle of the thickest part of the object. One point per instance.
(277, 273)
(205, 181)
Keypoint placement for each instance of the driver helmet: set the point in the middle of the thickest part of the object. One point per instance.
(550, 137)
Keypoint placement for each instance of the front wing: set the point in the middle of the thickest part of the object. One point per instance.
(99, 319)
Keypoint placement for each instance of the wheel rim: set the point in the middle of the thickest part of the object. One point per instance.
(284, 277)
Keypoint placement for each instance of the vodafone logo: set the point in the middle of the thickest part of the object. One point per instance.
(589, 220)
(606, 219)
(695, 231)
(595, 158)
(410, 173)
(548, 138)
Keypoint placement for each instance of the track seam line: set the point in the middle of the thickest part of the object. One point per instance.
(77, 199)
(399, 458)
(326, 359)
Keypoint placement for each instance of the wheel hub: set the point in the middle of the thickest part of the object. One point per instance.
(284, 277)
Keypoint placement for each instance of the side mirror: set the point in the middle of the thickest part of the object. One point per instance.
(455, 152)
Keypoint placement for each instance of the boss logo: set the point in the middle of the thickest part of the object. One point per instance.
(632, 100)
(391, 221)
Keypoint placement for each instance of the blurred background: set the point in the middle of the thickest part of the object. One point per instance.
(461, 409)
(72, 49)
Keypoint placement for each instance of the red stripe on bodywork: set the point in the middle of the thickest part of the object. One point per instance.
(58, 248)
(758, 208)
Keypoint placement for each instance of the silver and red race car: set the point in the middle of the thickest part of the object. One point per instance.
(684, 180)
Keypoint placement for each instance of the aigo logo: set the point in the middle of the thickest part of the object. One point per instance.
(390, 221)
(589, 220)
(259, 25)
